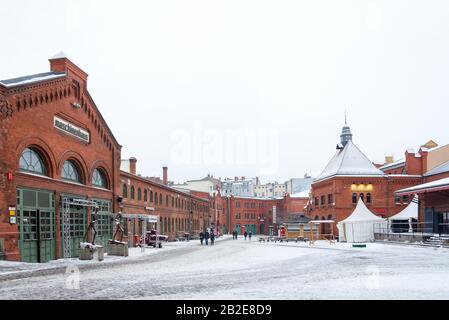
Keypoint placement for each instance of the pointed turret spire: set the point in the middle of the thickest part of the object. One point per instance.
(346, 134)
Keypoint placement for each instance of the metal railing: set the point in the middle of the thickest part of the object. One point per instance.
(411, 230)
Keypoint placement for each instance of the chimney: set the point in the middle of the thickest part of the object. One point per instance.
(243, 178)
(61, 63)
(132, 165)
(389, 159)
(236, 178)
(164, 175)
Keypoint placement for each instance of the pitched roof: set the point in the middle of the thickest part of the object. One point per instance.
(437, 185)
(33, 78)
(437, 170)
(411, 211)
(349, 161)
(361, 214)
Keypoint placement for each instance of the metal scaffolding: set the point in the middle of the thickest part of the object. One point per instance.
(67, 202)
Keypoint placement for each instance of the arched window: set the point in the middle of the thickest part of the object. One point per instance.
(362, 197)
(172, 202)
(160, 198)
(132, 192)
(165, 224)
(155, 198)
(354, 197)
(368, 198)
(151, 196)
(166, 200)
(168, 225)
(145, 195)
(70, 172)
(139, 194)
(125, 191)
(98, 179)
(31, 161)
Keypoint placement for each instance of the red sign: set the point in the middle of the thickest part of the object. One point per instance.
(9, 176)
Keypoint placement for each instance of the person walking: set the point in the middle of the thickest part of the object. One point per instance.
(202, 237)
(212, 238)
(249, 235)
(206, 237)
(245, 234)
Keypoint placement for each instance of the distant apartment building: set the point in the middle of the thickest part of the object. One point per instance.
(270, 190)
(297, 185)
(207, 184)
(239, 187)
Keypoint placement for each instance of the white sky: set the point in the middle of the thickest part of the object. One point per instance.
(164, 73)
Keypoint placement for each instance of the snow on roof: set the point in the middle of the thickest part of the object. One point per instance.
(32, 79)
(361, 214)
(349, 161)
(437, 170)
(302, 194)
(398, 163)
(441, 184)
(59, 55)
(411, 211)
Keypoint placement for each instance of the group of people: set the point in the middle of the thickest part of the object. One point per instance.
(205, 236)
(245, 234)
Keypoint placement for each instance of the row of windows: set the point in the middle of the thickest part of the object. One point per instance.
(322, 200)
(249, 205)
(158, 199)
(175, 224)
(31, 161)
(246, 216)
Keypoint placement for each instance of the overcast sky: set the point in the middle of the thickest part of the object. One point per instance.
(178, 81)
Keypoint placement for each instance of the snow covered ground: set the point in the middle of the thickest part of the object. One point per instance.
(239, 269)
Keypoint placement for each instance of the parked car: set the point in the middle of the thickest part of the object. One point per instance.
(151, 237)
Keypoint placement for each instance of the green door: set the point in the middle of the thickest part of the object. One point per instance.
(104, 223)
(37, 236)
(238, 229)
(78, 227)
(253, 229)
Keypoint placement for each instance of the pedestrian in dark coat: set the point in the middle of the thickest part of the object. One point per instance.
(250, 234)
(201, 237)
(212, 238)
(245, 234)
(206, 237)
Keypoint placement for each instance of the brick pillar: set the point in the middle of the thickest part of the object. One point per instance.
(165, 175)
(132, 165)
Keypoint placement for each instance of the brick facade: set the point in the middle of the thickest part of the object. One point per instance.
(30, 124)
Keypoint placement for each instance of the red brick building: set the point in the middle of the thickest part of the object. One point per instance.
(178, 212)
(433, 195)
(350, 175)
(262, 215)
(55, 147)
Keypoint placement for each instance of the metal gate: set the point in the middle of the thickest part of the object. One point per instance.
(73, 226)
(37, 235)
(104, 223)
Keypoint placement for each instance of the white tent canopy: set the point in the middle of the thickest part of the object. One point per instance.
(359, 226)
(408, 214)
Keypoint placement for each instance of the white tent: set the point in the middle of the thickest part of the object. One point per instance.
(359, 226)
(408, 214)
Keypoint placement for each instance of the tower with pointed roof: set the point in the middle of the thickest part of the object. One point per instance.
(346, 134)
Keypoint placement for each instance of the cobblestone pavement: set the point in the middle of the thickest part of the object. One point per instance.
(239, 269)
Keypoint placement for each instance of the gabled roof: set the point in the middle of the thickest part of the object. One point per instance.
(361, 214)
(437, 170)
(396, 164)
(33, 78)
(411, 211)
(349, 161)
(434, 186)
